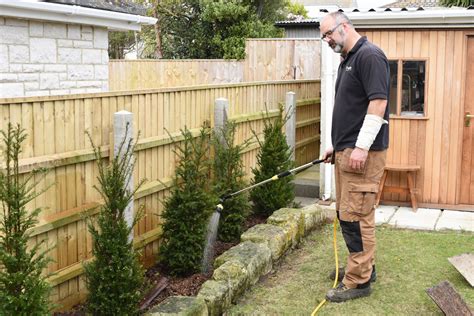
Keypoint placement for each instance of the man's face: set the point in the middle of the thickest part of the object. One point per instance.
(333, 33)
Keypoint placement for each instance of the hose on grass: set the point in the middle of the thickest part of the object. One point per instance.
(315, 312)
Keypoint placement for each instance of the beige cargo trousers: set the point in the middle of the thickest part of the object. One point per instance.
(356, 192)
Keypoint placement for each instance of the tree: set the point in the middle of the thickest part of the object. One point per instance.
(456, 3)
(23, 288)
(212, 28)
(119, 42)
(189, 206)
(115, 276)
(273, 158)
(228, 177)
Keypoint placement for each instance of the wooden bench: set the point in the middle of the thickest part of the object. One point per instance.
(410, 170)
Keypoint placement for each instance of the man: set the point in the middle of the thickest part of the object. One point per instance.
(360, 139)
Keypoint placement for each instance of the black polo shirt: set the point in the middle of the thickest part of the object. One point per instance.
(363, 75)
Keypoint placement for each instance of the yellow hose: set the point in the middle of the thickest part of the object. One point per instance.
(315, 312)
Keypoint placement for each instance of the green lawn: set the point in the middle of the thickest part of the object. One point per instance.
(408, 262)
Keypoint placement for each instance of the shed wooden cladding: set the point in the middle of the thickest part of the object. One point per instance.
(56, 129)
(275, 59)
(433, 142)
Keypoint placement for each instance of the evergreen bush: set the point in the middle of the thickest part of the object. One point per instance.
(273, 158)
(229, 175)
(189, 206)
(115, 276)
(23, 288)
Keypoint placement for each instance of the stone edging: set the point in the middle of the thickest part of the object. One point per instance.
(241, 266)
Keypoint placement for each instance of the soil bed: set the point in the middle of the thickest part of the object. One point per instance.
(185, 286)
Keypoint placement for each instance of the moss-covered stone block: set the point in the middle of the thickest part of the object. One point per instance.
(180, 306)
(291, 220)
(314, 216)
(236, 276)
(256, 258)
(217, 295)
(272, 236)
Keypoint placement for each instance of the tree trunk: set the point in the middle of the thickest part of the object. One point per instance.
(158, 48)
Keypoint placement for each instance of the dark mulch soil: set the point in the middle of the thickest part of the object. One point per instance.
(187, 286)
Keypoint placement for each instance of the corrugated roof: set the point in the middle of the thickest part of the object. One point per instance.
(412, 17)
(413, 4)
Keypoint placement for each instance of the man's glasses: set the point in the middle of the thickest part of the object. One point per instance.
(329, 33)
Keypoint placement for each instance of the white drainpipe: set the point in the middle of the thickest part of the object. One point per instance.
(329, 64)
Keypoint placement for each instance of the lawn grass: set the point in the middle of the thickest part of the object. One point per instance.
(408, 262)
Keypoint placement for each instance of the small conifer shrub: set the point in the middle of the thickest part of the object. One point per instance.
(229, 176)
(188, 208)
(23, 289)
(273, 158)
(115, 276)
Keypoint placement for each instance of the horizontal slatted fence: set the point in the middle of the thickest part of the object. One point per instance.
(266, 59)
(56, 128)
(308, 130)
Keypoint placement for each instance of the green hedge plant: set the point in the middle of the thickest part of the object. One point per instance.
(115, 276)
(228, 174)
(189, 206)
(23, 287)
(273, 158)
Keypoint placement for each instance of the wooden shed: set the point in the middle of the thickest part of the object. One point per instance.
(431, 54)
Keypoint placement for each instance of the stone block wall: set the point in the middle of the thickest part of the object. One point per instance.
(41, 58)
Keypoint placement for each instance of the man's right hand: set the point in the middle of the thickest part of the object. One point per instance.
(327, 155)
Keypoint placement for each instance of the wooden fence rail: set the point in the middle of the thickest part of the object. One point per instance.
(57, 126)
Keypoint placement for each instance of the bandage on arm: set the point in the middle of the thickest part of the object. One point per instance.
(368, 132)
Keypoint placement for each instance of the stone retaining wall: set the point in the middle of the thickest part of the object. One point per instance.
(241, 266)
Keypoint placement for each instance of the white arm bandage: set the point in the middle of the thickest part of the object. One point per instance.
(370, 129)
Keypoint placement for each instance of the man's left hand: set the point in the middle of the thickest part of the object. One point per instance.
(358, 158)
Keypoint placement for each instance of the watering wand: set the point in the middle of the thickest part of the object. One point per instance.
(274, 178)
(214, 221)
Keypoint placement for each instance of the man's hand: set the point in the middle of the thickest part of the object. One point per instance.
(358, 158)
(327, 156)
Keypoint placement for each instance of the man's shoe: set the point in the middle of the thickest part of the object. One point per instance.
(342, 271)
(342, 293)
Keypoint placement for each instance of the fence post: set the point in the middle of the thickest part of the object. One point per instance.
(123, 132)
(290, 126)
(221, 109)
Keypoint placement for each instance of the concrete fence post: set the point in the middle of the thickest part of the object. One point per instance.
(290, 126)
(221, 109)
(123, 133)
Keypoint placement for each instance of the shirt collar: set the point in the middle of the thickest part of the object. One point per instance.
(357, 45)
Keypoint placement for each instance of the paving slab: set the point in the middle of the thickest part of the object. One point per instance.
(465, 265)
(423, 219)
(305, 201)
(383, 213)
(456, 220)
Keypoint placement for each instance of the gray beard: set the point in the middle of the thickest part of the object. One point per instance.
(337, 48)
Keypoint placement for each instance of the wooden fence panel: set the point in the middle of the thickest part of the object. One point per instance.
(308, 130)
(153, 73)
(56, 127)
(266, 59)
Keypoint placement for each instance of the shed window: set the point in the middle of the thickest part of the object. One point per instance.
(407, 87)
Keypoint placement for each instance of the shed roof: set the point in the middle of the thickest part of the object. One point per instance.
(110, 15)
(412, 17)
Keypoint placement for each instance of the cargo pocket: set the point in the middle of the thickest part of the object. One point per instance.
(362, 197)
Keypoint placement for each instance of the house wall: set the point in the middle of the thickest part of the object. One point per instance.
(39, 58)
